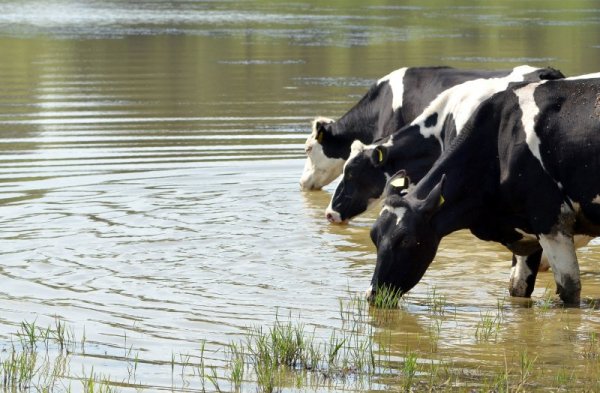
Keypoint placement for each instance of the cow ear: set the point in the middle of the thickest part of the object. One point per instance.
(322, 128)
(398, 183)
(379, 155)
(434, 200)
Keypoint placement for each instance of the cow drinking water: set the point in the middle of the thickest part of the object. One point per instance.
(418, 145)
(392, 102)
(524, 173)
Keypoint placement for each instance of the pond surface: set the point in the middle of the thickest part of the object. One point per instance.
(150, 154)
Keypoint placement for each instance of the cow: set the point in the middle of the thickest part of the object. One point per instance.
(392, 102)
(523, 173)
(416, 146)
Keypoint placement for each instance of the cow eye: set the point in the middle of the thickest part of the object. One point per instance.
(408, 241)
(403, 240)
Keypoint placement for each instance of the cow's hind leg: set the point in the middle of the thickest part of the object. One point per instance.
(560, 250)
(523, 274)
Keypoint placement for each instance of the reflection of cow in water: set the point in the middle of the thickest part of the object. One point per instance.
(395, 100)
(524, 172)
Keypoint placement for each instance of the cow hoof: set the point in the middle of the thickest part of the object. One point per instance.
(518, 286)
(517, 289)
(571, 297)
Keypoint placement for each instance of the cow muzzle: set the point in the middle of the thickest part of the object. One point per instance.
(334, 217)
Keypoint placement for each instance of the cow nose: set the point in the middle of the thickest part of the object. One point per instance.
(333, 216)
(306, 184)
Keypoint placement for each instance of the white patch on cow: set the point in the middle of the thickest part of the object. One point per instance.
(521, 71)
(585, 76)
(396, 81)
(596, 200)
(462, 100)
(518, 277)
(526, 236)
(560, 250)
(356, 148)
(520, 272)
(399, 212)
(332, 215)
(529, 111)
(319, 170)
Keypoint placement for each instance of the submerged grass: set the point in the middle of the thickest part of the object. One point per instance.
(386, 297)
(289, 355)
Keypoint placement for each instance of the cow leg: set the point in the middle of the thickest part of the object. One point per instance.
(560, 250)
(523, 274)
(580, 241)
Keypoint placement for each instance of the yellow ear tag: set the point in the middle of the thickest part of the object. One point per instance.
(320, 137)
(381, 156)
(399, 182)
(442, 200)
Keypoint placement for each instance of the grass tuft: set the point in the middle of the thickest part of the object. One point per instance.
(386, 297)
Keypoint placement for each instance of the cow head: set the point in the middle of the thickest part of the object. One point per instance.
(405, 238)
(362, 183)
(369, 167)
(319, 169)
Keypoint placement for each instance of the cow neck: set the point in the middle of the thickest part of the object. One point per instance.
(470, 168)
(408, 149)
(362, 121)
(357, 126)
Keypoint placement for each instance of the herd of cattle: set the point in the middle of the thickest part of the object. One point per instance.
(513, 156)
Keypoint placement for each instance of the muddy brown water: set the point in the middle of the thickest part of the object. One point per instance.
(150, 154)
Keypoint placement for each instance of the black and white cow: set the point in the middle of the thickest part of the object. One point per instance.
(523, 172)
(393, 101)
(418, 145)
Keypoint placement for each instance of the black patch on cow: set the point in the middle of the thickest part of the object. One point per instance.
(448, 132)
(423, 84)
(533, 263)
(431, 121)
(373, 117)
(547, 73)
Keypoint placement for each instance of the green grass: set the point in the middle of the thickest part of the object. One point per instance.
(288, 355)
(490, 324)
(386, 297)
(409, 370)
(436, 301)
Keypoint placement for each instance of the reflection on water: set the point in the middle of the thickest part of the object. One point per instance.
(149, 157)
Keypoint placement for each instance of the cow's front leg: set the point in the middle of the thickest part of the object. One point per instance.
(561, 254)
(523, 273)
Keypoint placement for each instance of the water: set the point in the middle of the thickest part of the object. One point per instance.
(149, 162)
